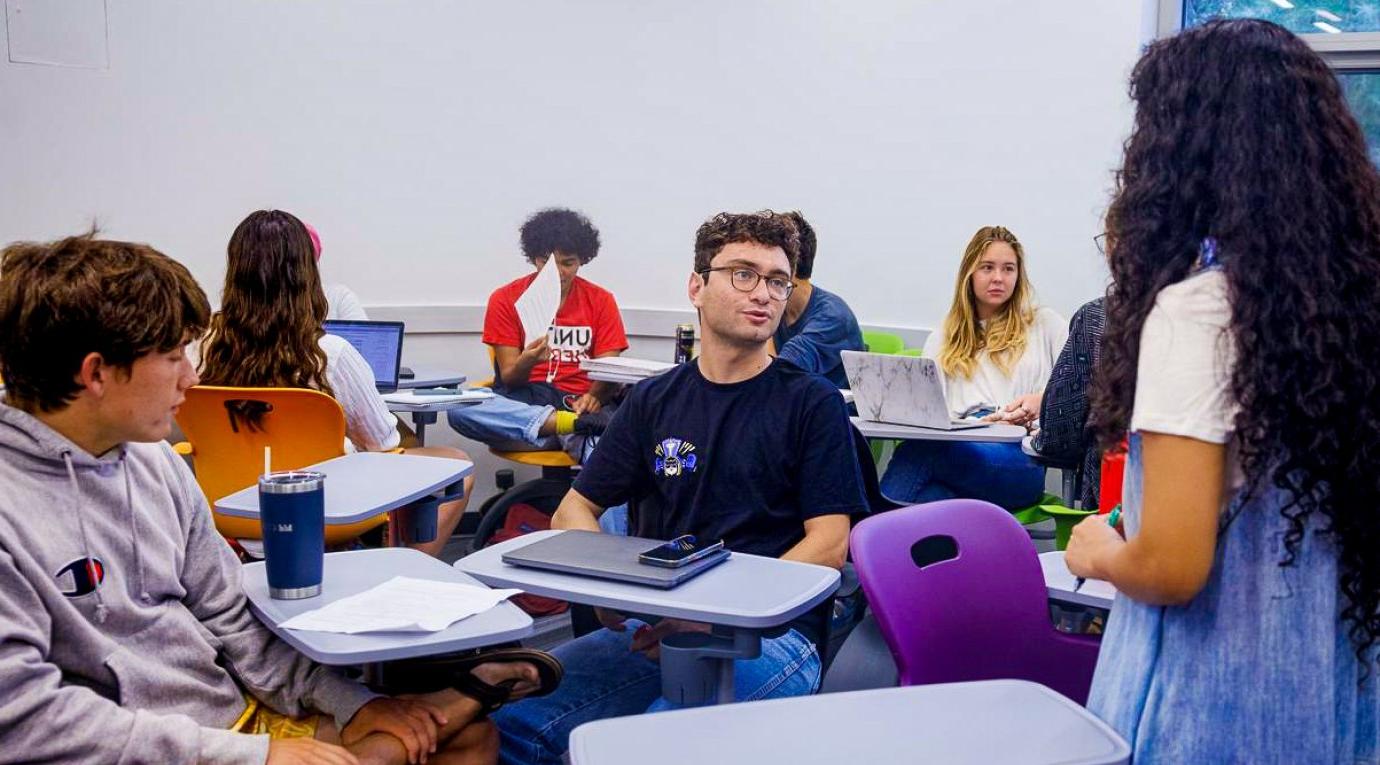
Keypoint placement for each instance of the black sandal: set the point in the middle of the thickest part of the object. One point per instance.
(492, 697)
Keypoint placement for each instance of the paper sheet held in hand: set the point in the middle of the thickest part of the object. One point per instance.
(537, 307)
(401, 604)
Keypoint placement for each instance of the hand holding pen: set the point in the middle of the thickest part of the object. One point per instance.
(1112, 520)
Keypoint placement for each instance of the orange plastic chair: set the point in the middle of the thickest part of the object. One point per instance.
(301, 426)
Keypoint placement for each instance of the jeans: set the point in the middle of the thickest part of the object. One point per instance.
(615, 521)
(505, 423)
(604, 678)
(927, 471)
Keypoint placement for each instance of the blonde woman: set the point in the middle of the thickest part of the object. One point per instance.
(995, 352)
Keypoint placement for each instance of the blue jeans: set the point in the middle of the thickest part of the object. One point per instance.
(504, 423)
(604, 678)
(928, 471)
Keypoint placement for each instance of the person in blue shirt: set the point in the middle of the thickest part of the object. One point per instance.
(734, 445)
(817, 324)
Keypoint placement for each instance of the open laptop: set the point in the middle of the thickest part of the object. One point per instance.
(379, 342)
(900, 390)
(606, 556)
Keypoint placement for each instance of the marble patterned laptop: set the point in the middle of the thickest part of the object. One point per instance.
(900, 390)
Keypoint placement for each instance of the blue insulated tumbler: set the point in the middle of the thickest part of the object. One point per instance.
(292, 509)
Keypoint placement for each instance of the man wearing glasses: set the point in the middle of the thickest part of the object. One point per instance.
(733, 446)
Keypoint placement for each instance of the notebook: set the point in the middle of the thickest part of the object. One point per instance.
(623, 365)
(379, 342)
(606, 556)
(901, 390)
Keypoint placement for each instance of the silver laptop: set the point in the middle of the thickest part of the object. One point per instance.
(900, 390)
(606, 556)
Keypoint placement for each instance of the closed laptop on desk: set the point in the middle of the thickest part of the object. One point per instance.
(606, 556)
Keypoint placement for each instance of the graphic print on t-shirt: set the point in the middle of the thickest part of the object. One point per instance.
(569, 345)
(675, 456)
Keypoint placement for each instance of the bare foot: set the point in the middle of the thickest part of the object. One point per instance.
(498, 672)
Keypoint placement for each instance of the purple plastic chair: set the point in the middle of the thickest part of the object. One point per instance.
(958, 594)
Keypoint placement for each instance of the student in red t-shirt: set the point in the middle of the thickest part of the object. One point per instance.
(543, 393)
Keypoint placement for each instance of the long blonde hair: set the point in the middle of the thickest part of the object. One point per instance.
(1004, 337)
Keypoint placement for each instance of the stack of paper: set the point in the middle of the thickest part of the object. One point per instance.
(622, 365)
(412, 399)
(401, 604)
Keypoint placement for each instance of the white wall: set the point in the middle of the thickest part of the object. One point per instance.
(417, 135)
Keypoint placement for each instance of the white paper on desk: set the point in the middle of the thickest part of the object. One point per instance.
(537, 306)
(626, 365)
(408, 397)
(401, 604)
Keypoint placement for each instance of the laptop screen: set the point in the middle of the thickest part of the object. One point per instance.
(379, 342)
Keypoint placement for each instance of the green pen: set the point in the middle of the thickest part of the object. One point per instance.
(1113, 519)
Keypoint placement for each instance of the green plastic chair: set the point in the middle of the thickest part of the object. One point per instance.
(883, 342)
(1050, 506)
(911, 352)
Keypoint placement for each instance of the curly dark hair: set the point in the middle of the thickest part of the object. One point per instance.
(558, 229)
(1241, 134)
(764, 227)
(805, 264)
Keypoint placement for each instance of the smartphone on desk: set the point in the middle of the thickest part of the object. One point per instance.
(680, 551)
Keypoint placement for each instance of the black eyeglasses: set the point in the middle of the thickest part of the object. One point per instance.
(745, 280)
(1100, 241)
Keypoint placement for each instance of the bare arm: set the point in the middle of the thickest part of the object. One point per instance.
(825, 542)
(576, 512)
(1168, 561)
(515, 366)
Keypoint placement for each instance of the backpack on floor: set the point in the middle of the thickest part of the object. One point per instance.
(522, 519)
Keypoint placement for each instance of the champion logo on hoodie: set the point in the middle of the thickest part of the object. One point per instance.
(80, 577)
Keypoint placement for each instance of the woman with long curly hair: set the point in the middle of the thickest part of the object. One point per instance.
(1245, 249)
(268, 333)
(994, 353)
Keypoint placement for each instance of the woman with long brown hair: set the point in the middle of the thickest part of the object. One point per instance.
(995, 353)
(268, 333)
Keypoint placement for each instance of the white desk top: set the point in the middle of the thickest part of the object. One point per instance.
(348, 573)
(1059, 582)
(987, 433)
(747, 591)
(366, 484)
(431, 377)
(993, 721)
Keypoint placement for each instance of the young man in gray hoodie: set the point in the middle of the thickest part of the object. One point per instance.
(125, 634)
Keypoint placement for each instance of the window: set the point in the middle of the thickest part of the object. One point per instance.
(1346, 33)
(1363, 93)
(1298, 16)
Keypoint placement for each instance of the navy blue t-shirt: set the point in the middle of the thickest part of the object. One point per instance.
(826, 327)
(745, 462)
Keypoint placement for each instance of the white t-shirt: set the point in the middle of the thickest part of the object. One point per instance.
(1183, 376)
(369, 425)
(989, 387)
(343, 304)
